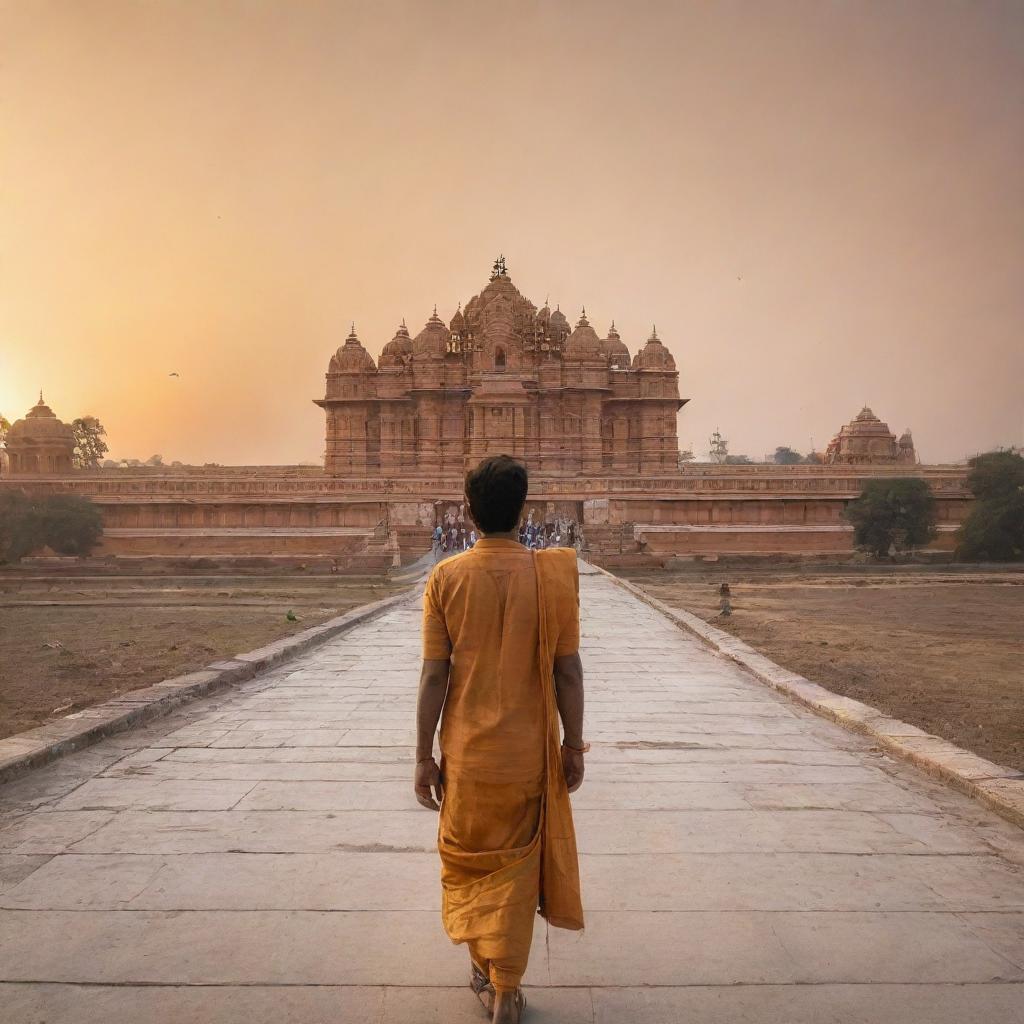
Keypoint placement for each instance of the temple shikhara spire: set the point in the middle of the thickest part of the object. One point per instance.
(502, 376)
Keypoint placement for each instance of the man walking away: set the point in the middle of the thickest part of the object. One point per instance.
(500, 656)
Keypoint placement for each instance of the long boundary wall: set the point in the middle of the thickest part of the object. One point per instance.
(286, 512)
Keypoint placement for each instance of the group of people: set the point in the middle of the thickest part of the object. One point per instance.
(456, 533)
(556, 533)
(450, 540)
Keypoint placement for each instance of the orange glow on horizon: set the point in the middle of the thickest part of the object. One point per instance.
(819, 205)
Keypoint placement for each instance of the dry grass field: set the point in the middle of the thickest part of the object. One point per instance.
(69, 642)
(942, 649)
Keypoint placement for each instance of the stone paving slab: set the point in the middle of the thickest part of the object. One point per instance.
(258, 856)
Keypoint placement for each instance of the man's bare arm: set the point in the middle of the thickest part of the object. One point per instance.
(569, 695)
(430, 701)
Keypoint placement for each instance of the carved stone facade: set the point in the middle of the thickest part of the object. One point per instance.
(40, 443)
(866, 440)
(502, 376)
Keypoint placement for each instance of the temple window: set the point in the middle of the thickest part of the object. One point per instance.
(499, 358)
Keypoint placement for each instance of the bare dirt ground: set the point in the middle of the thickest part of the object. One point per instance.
(69, 642)
(942, 649)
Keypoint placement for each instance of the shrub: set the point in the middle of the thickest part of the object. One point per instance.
(67, 523)
(893, 515)
(994, 528)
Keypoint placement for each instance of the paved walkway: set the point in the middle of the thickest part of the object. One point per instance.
(259, 858)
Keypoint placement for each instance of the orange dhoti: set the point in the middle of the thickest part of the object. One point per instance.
(489, 841)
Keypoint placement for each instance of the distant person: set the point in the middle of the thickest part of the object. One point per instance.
(500, 657)
(725, 601)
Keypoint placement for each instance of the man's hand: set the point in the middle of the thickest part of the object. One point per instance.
(428, 776)
(572, 768)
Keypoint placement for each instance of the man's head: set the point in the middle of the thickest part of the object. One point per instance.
(496, 492)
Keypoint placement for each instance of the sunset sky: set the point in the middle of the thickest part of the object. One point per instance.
(820, 205)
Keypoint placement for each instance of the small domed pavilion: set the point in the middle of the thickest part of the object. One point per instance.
(40, 443)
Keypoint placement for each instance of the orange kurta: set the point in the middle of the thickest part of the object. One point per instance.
(505, 836)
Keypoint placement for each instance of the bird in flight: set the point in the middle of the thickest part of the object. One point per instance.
(173, 374)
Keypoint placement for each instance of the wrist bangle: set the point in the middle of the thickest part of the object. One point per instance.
(424, 760)
(577, 750)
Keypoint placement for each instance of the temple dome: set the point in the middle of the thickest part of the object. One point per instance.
(398, 349)
(352, 357)
(458, 321)
(615, 349)
(654, 355)
(432, 341)
(583, 343)
(40, 442)
(867, 439)
(40, 424)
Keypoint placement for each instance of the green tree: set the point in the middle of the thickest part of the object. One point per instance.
(5, 425)
(814, 458)
(89, 444)
(21, 528)
(67, 523)
(994, 528)
(892, 514)
(71, 524)
(785, 456)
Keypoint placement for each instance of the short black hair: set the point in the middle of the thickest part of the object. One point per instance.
(496, 491)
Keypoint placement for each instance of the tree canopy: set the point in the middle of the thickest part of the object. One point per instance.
(69, 524)
(892, 515)
(786, 456)
(89, 444)
(21, 528)
(994, 528)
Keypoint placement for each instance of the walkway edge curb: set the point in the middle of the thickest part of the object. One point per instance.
(34, 748)
(998, 787)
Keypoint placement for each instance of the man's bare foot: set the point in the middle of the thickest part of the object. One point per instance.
(508, 1007)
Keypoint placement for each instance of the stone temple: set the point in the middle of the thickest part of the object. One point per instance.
(595, 423)
(867, 441)
(502, 376)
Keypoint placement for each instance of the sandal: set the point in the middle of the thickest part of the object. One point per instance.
(482, 988)
(520, 1003)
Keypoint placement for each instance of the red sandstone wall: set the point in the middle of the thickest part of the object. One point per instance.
(752, 509)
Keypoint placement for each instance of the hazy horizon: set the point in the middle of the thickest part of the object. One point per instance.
(821, 206)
